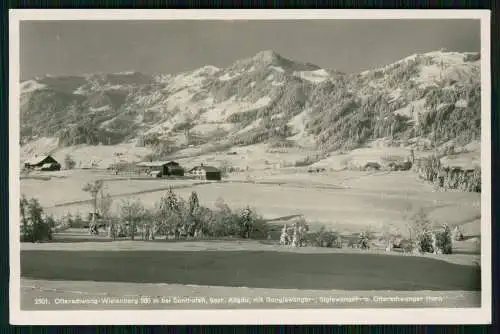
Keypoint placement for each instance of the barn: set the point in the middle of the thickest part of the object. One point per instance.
(43, 162)
(174, 168)
(162, 168)
(206, 173)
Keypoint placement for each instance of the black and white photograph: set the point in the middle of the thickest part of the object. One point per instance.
(167, 166)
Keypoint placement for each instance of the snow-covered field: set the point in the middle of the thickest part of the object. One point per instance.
(341, 200)
(346, 201)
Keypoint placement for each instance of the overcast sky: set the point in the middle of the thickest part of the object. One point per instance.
(77, 47)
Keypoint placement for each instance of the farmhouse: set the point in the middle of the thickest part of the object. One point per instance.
(162, 168)
(175, 169)
(206, 172)
(43, 162)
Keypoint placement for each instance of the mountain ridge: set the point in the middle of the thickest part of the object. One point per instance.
(266, 99)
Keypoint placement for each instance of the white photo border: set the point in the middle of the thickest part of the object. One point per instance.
(481, 315)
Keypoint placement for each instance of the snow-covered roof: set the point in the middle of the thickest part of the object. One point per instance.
(205, 168)
(152, 163)
(37, 159)
(157, 163)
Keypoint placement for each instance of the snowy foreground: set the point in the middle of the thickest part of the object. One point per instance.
(88, 295)
(230, 257)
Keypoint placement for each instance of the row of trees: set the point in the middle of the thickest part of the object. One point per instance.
(174, 217)
(422, 236)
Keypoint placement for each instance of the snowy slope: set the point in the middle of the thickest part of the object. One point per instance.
(255, 98)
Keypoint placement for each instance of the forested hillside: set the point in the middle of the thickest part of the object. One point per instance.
(263, 99)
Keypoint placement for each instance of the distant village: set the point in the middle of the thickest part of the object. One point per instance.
(428, 168)
(157, 169)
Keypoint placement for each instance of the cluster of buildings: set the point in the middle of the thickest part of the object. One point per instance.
(172, 168)
(151, 168)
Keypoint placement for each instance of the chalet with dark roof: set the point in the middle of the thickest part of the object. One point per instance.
(43, 162)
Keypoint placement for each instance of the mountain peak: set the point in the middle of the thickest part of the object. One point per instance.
(267, 56)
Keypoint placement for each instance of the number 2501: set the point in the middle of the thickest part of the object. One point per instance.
(41, 301)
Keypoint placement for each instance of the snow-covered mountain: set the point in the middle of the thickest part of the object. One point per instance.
(266, 98)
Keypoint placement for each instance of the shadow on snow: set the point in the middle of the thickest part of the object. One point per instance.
(253, 269)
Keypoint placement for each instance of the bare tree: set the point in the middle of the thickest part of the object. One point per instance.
(93, 188)
(147, 222)
(104, 203)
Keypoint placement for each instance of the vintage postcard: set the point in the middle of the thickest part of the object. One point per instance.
(298, 166)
